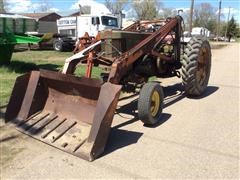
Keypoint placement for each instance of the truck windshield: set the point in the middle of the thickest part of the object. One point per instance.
(109, 21)
(69, 32)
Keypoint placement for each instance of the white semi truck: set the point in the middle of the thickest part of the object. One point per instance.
(199, 32)
(72, 28)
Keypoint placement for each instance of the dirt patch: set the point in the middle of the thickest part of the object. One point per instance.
(10, 142)
(10, 145)
(218, 46)
(8, 157)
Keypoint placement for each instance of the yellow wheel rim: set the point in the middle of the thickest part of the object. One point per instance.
(155, 103)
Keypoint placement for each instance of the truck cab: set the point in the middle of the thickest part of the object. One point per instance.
(94, 24)
(75, 27)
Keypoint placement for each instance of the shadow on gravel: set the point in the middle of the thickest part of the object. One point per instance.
(131, 109)
(119, 138)
(8, 138)
(165, 117)
(209, 91)
(23, 67)
(173, 94)
(176, 93)
(2, 112)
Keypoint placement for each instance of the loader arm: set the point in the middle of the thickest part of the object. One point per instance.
(147, 46)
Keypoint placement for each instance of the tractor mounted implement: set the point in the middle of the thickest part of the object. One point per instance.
(75, 113)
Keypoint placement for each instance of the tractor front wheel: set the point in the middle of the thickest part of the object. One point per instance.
(150, 103)
(6, 52)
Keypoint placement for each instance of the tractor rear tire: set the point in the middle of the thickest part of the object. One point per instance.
(150, 103)
(196, 67)
(6, 52)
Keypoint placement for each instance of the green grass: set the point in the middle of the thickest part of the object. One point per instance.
(25, 61)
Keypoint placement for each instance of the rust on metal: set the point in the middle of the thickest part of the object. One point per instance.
(89, 65)
(65, 111)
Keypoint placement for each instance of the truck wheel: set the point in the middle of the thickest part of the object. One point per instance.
(196, 66)
(6, 52)
(58, 45)
(150, 103)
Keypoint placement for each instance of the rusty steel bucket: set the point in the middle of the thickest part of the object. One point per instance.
(71, 113)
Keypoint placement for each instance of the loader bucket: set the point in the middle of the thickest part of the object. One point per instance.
(71, 113)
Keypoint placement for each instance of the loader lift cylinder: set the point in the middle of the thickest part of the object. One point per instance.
(89, 65)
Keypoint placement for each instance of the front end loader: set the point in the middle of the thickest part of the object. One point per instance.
(75, 113)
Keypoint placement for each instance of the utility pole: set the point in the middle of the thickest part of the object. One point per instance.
(225, 36)
(80, 9)
(191, 18)
(219, 15)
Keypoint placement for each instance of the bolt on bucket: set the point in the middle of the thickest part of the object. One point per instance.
(71, 113)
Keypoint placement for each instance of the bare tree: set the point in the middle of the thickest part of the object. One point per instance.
(115, 6)
(232, 30)
(86, 9)
(146, 9)
(2, 10)
(204, 15)
(167, 12)
(44, 6)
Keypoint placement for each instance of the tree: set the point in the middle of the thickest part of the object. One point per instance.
(2, 10)
(232, 29)
(146, 9)
(223, 28)
(86, 9)
(115, 6)
(238, 31)
(167, 12)
(44, 6)
(204, 16)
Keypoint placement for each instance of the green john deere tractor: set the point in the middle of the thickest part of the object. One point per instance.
(12, 32)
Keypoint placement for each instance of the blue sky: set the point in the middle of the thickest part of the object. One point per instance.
(66, 7)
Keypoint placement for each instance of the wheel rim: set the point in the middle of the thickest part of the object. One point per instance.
(202, 69)
(155, 103)
(57, 46)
